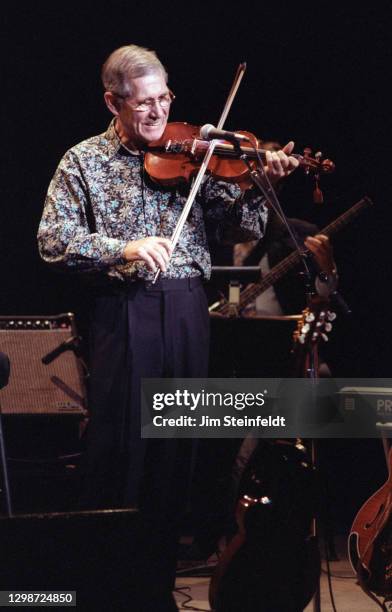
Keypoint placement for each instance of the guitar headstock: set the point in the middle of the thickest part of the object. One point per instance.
(315, 323)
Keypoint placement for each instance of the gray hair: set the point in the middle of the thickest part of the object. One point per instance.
(128, 63)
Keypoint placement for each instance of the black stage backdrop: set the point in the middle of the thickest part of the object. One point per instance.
(318, 73)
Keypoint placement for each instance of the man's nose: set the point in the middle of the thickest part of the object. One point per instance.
(156, 109)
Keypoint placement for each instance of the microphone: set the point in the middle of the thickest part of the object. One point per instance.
(68, 345)
(209, 132)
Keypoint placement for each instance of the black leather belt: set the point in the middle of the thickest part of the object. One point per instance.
(172, 284)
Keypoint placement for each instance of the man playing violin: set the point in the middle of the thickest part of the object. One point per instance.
(105, 218)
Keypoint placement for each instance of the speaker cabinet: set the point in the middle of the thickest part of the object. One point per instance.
(98, 554)
(35, 387)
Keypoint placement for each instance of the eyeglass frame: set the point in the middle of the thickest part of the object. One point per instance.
(150, 104)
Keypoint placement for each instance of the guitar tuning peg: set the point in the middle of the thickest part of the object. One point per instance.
(325, 337)
(331, 316)
(328, 327)
(305, 328)
(310, 317)
(301, 339)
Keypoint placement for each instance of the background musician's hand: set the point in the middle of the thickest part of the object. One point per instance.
(322, 250)
(154, 251)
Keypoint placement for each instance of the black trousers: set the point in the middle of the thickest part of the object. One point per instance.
(145, 331)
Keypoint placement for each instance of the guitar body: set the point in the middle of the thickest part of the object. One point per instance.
(271, 564)
(370, 540)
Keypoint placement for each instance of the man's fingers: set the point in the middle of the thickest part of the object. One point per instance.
(274, 163)
(159, 255)
(155, 251)
(313, 240)
(166, 243)
(154, 254)
(280, 163)
(319, 242)
(288, 148)
(284, 160)
(144, 256)
(322, 237)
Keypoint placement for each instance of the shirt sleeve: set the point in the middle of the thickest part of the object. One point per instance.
(233, 215)
(66, 236)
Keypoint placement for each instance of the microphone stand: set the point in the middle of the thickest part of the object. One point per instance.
(261, 180)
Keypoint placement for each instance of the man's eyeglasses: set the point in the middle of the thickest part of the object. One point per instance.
(164, 101)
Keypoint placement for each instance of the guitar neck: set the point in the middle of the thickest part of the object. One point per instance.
(253, 290)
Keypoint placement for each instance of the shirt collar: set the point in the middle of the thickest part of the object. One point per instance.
(113, 142)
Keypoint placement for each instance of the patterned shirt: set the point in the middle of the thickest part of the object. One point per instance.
(100, 198)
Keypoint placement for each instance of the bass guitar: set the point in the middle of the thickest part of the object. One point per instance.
(253, 290)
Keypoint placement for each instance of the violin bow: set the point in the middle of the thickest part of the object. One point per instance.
(204, 165)
(233, 91)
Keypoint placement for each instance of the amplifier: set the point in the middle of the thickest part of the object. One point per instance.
(373, 401)
(97, 554)
(47, 376)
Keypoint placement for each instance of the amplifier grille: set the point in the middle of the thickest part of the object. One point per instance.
(35, 388)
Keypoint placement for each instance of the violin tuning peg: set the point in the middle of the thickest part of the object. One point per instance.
(327, 166)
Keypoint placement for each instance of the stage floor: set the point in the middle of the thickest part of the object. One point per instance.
(348, 595)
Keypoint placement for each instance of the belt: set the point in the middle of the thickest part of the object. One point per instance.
(116, 287)
(171, 284)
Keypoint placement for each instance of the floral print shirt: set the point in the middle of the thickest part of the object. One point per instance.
(100, 198)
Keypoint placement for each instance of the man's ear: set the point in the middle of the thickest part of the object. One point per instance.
(112, 102)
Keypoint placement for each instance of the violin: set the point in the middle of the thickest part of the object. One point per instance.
(177, 156)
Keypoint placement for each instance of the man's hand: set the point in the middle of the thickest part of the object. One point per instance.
(280, 163)
(321, 248)
(154, 251)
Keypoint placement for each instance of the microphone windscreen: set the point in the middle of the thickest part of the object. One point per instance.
(205, 130)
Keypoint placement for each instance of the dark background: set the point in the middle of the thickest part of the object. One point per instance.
(318, 73)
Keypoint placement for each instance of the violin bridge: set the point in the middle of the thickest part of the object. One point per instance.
(194, 146)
